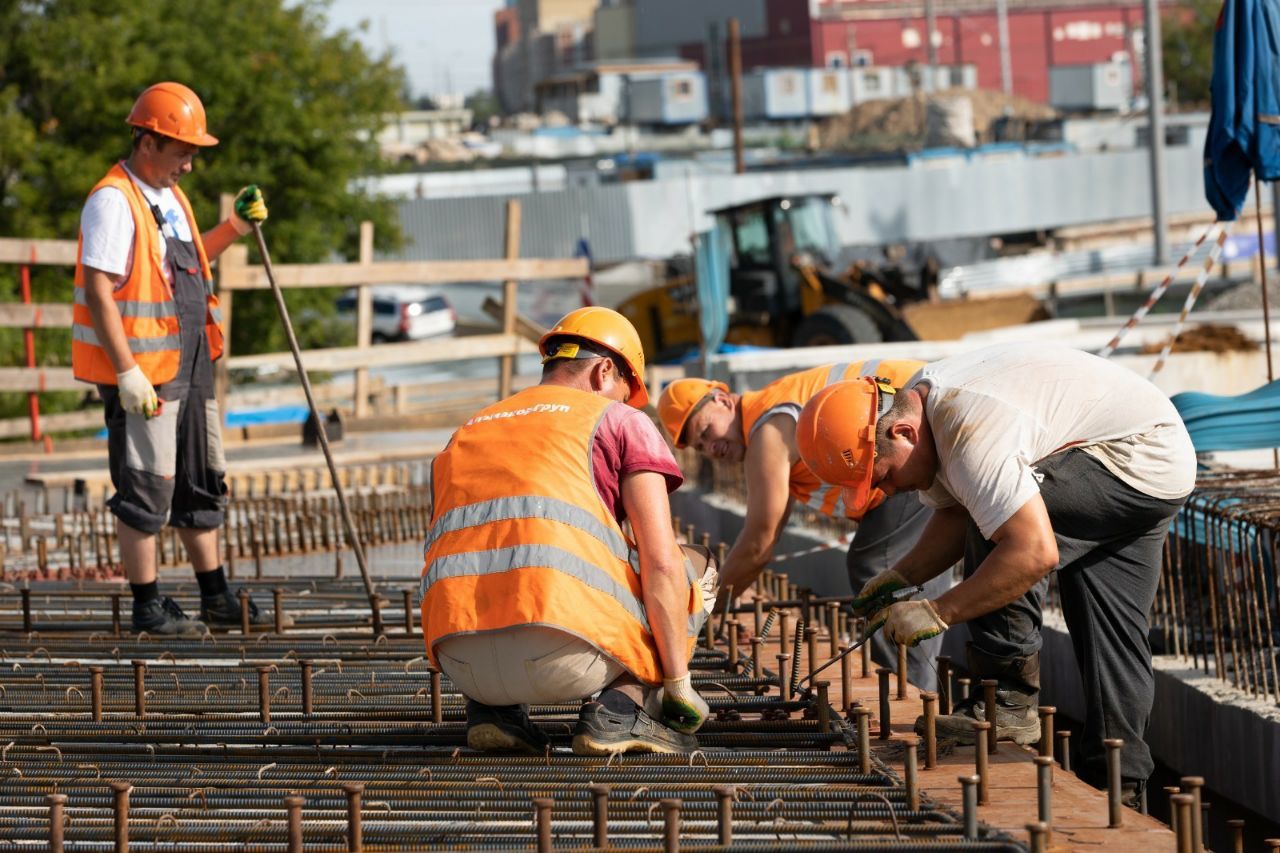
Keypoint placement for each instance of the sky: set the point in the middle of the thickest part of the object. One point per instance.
(445, 45)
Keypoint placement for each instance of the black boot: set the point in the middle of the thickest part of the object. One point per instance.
(223, 610)
(1017, 698)
(163, 616)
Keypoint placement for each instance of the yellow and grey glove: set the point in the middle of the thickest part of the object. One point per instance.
(136, 393)
(908, 622)
(682, 708)
(875, 594)
(250, 207)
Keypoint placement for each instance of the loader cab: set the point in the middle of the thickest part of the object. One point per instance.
(767, 235)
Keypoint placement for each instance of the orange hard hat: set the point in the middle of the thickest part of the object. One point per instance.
(680, 400)
(171, 109)
(836, 435)
(609, 329)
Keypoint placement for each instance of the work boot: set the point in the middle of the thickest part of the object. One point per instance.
(223, 610)
(505, 728)
(1133, 793)
(1017, 698)
(164, 617)
(601, 731)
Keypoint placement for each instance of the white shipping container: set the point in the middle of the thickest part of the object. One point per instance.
(774, 93)
(671, 99)
(828, 91)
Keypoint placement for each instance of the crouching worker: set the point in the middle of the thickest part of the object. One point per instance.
(532, 592)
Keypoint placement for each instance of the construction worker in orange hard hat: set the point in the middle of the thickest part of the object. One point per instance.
(146, 330)
(1034, 459)
(532, 591)
(759, 430)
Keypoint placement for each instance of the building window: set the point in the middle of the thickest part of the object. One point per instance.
(871, 81)
(836, 59)
(862, 58)
(830, 84)
(681, 90)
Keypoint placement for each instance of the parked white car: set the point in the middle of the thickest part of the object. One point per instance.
(405, 313)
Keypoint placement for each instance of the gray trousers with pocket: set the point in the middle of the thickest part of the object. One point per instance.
(884, 537)
(1110, 548)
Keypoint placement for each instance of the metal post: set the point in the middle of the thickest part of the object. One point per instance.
(1006, 64)
(1155, 124)
(735, 94)
(930, 49)
(29, 345)
(506, 365)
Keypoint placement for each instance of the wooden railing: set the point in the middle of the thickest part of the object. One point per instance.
(234, 274)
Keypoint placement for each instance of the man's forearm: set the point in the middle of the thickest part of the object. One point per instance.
(107, 324)
(1005, 575)
(744, 562)
(219, 237)
(666, 597)
(940, 546)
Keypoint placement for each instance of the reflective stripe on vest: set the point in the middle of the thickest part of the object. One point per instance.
(498, 560)
(134, 308)
(869, 367)
(818, 498)
(837, 373)
(86, 335)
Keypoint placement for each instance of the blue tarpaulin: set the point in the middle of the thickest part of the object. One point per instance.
(1244, 126)
(711, 269)
(1247, 422)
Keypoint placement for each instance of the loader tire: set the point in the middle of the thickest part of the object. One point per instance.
(832, 325)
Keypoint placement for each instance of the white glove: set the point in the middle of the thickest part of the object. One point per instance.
(682, 708)
(136, 394)
(709, 589)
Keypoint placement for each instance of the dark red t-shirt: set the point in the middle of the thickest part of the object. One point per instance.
(625, 442)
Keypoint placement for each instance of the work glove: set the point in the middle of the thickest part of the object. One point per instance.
(876, 592)
(250, 207)
(136, 394)
(682, 708)
(908, 622)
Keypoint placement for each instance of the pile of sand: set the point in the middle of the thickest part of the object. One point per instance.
(1209, 337)
(898, 121)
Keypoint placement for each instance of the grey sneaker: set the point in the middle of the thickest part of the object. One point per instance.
(1016, 720)
(604, 732)
(163, 616)
(503, 729)
(223, 610)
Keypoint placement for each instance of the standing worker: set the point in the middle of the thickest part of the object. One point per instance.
(532, 591)
(1034, 458)
(146, 331)
(757, 430)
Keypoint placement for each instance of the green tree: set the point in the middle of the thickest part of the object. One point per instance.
(1187, 42)
(295, 109)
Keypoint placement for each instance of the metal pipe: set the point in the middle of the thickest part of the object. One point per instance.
(264, 694)
(883, 675)
(95, 691)
(670, 825)
(1064, 749)
(1155, 125)
(1046, 730)
(355, 827)
(1115, 808)
(56, 803)
(1002, 34)
(909, 772)
(437, 710)
(1044, 789)
(293, 804)
(989, 686)
(902, 670)
(724, 813)
(245, 624)
(26, 609)
(1192, 786)
(600, 814)
(407, 595)
(864, 740)
(1236, 826)
(1038, 833)
(846, 674)
(1180, 805)
(139, 688)
(542, 818)
(981, 734)
(277, 602)
(963, 685)
(120, 805)
(930, 701)
(866, 649)
(304, 667)
(969, 795)
(944, 685)
(783, 684)
(824, 706)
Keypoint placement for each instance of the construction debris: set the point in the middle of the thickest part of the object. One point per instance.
(897, 121)
(1208, 337)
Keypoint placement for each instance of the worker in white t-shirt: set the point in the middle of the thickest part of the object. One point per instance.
(1035, 458)
(146, 330)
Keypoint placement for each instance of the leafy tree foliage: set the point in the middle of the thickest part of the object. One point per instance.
(1187, 43)
(295, 108)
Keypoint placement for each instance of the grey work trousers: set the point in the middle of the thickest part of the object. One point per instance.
(1110, 546)
(884, 536)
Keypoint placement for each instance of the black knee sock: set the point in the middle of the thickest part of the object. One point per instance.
(144, 592)
(212, 583)
(617, 701)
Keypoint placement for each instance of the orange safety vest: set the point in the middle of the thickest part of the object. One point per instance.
(797, 389)
(520, 536)
(145, 300)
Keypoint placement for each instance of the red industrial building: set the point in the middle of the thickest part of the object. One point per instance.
(1042, 33)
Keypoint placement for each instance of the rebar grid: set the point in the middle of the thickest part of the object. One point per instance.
(218, 736)
(1217, 601)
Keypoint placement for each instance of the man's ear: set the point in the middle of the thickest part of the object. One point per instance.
(904, 430)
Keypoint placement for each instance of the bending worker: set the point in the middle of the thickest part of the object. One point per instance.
(531, 590)
(1035, 458)
(146, 331)
(757, 430)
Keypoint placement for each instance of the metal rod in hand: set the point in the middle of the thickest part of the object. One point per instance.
(352, 536)
(898, 595)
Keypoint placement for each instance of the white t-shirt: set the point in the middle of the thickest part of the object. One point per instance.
(106, 224)
(997, 411)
